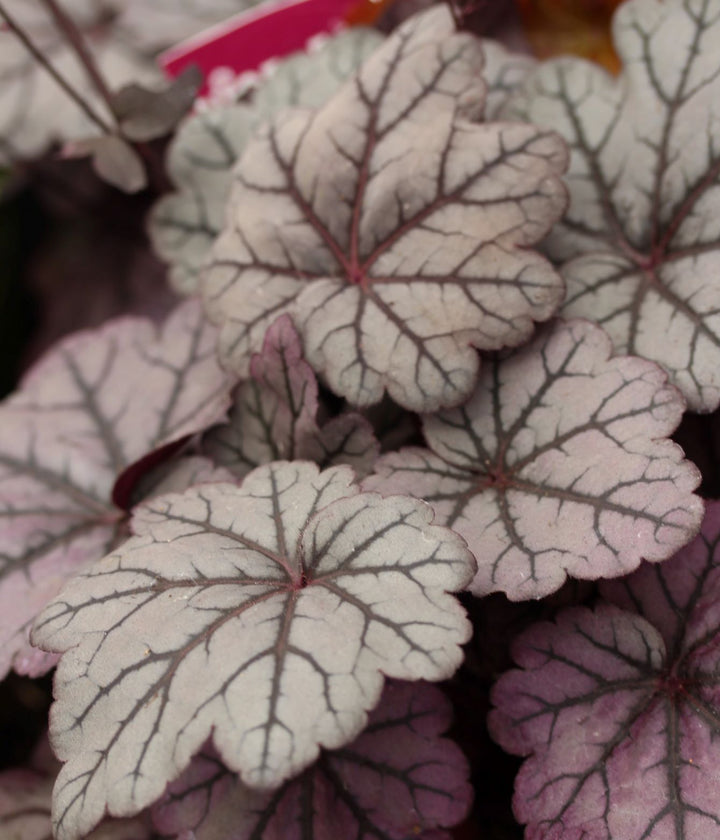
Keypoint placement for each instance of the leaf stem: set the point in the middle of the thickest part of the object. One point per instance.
(47, 66)
(75, 39)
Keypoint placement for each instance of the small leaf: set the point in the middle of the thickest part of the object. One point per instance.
(275, 415)
(504, 72)
(608, 698)
(184, 224)
(558, 465)
(145, 114)
(640, 242)
(265, 615)
(398, 779)
(113, 159)
(98, 402)
(394, 231)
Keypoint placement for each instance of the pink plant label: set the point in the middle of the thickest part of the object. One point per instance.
(246, 41)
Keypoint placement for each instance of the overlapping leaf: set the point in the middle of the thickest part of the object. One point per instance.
(557, 465)
(98, 402)
(266, 615)
(399, 779)
(641, 234)
(275, 415)
(25, 800)
(34, 111)
(393, 229)
(184, 224)
(618, 708)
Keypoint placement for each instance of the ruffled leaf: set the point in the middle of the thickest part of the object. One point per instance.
(640, 245)
(394, 230)
(275, 415)
(398, 779)
(558, 465)
(265, 615)
(94, 405)
(618, 708)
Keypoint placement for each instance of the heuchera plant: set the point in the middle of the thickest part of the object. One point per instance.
(444, 308)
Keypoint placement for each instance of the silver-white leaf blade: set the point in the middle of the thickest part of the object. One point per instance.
(558, 465)
(641, 233)
(395, 231)
(265, 615)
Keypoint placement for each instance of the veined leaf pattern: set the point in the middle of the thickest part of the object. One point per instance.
(265, 615)
(394, 229)
(398, 779)
(99, 401)
(557, 465)
(622, 696)
(640, 245)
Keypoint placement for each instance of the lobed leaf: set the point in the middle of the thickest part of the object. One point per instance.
(398, 779)
(98, 402)
(275, 415)
(557, 465)
(394, 230)
(265, 615)
(640, 243)
(608, 698)
(184, 224)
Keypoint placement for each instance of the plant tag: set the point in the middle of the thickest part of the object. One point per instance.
(244, 42)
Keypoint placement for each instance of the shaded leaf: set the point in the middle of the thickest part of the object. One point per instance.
(113, 159)
(557, 465)
(146, 114)
(184, 224)
(504, 71)
(640, 242)
(95, 404)
(265, 615)
(607, 698)
(398, 779)
(275, 415)
(392, 229)
(34, 110)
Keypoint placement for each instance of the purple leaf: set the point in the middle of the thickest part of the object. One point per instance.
(394, 230)
(618, 709)
(398, 779)
(89, 409)
(266, 615)
(641, 235)
(275, 415)
(558, 465)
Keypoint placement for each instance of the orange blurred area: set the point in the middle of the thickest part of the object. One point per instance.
(366, 12)
(579, 27)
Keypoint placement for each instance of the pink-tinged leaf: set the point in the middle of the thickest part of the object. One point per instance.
(398, 779)
(393, 229)
(641, 235)
(25, 804)
(266, 615)
(558, 465)
(275, 415)
(619, 709)
(94, 405)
